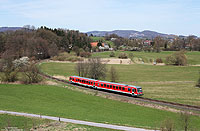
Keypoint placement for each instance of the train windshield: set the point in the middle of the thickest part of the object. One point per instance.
(139, 90)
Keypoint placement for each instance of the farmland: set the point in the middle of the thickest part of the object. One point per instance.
(169, 83)
(63, 102)
(193, 57)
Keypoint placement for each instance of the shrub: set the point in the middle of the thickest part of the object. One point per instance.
(177, 58)
(66, 57)
(159, 60)
(123, 56)
(85, 54)
(112, 54)
(167, 125)
(31, 74)
(198, 82)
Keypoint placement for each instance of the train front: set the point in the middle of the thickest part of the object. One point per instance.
(139, 91)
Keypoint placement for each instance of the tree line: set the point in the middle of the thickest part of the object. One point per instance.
(41, 43)
(157, 44)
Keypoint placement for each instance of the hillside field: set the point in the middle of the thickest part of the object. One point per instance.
(193, 57)
(63, 102)
(171, 83)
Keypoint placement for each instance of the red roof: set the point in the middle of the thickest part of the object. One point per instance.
(94, 44)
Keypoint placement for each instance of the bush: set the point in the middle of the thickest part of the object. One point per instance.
(31, 74)
(112, 54)
(66, 57)
(198, 82)
(177, 58)
(159, 60)
(123, 56)
(85, 54)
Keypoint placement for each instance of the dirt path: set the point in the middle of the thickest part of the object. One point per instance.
(115, 127)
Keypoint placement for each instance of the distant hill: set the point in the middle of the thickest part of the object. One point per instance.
(4, 29)
(131, 34)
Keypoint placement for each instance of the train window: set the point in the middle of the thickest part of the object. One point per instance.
(120, 87)
(101, 85)
(129, 89)
(104, 85)
(73, 79)
(89, 82)
(70, 78)
(113, 87)
(117, 87)
(94, 83)
(108, 86)
(123, 88)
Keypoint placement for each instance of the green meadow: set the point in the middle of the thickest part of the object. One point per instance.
(63, 102)
(192, 56)
(170, 83)
(26, 123)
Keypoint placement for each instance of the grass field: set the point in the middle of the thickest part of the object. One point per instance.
(56, 101)
(169, 83)
(26, 123)
(193, 57)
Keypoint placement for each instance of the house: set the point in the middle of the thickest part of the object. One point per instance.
(103, 47)
(147, 43)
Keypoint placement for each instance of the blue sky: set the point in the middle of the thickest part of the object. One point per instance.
(180, 17)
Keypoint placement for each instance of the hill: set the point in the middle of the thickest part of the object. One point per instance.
(4, 29)
(132, 34)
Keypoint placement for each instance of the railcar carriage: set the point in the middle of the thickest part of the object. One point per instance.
(111, 86)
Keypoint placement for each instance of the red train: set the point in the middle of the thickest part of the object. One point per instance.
(98, 84)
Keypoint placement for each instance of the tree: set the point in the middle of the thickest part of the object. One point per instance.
(8, 69)
(178, 58)
(113, 74)
(158, 42)
(198, 82)
(31, 74)
(82, 68)
(93, 68)
(97, 69)
(185, 120)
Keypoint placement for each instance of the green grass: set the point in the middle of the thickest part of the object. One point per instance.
(170, 83)
(95, 39)
(26, 123)
(133, 72)
(20, 122)
(62, 102)
(193, 57)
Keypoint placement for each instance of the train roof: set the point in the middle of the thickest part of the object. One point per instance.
(85, 78)
(107, 82)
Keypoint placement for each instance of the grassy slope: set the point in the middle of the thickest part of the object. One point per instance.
(27, 123)
(132, 73)
(55, 101)
(19, 121)
(193, 57)
(169, 83)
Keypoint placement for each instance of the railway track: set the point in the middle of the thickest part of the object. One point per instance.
(143, 99)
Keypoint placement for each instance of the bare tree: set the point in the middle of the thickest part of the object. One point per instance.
(93, 68)
(185, 119)
(82, 68)
(97, 70)
(113, 74)
(31, 73)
